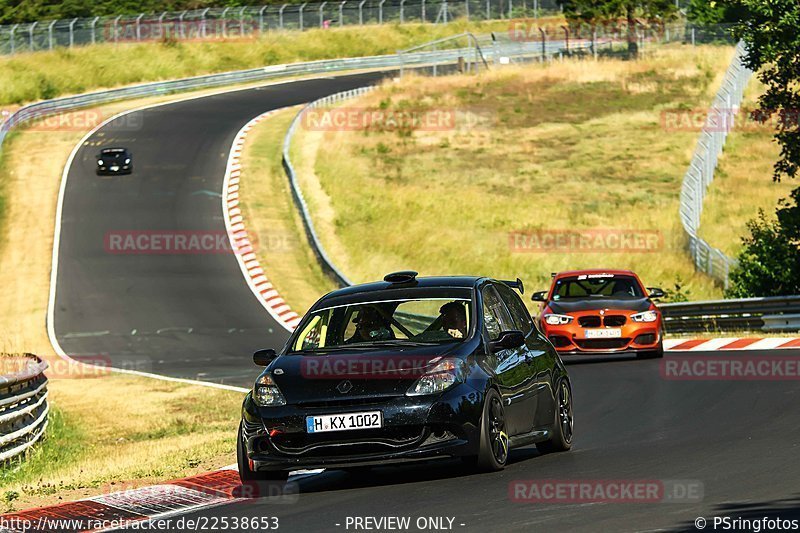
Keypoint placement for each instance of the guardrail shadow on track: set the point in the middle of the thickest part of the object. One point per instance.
(23, 403)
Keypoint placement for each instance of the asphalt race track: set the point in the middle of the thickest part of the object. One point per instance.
(193, 316)
(739, 440)
(183, 315)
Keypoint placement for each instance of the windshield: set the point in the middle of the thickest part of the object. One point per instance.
(400, 322)
(113, 155)
(597, 286)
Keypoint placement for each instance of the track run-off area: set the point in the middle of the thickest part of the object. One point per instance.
(734, 443)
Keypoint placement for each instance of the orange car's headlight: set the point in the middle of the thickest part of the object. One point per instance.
(557, 320)
(647, 316)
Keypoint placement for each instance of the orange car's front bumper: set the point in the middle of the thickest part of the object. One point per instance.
(630, 336)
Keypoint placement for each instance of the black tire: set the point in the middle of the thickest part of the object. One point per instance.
(561, 440)
(493, 450)
(246, 475)
(658, 353)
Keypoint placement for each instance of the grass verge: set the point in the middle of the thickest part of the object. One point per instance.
(743, 181)
(115, 432)
(40, 75)
(105, 433)
(577, 144)
(269, 214)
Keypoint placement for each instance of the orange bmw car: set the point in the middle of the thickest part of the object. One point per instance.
(601, 312)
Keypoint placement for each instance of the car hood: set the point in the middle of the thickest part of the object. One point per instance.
(622, 304)
(370, 374)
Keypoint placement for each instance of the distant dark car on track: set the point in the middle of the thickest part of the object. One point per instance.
(601, 312)
(114, 161)
(402, 370)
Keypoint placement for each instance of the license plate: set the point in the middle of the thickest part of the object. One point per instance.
(365, 420)
(114, 168)
(613, 333)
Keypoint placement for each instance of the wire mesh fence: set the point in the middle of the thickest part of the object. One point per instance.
(251, 21)
(700, 174)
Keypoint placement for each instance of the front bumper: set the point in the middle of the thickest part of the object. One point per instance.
(414, 429)
(634, 338)
(124, 169)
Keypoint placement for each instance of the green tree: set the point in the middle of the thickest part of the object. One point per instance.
(714, 12)
(771, 31)
(595, 12)
(769, 263)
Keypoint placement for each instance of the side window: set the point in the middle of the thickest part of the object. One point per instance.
(518, 312)
(314, 334)
(495, 315)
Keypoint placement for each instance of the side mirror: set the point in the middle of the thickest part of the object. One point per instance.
(507, 339)
(655, 292)
(539, 296)
(264, 357)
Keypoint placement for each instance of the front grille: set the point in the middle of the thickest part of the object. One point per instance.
(601, 344)
(355, 442)
(614, 321)
(591, 321)
(344, 402)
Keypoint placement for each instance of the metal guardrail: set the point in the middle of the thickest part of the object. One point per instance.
(33, 112)
(774, 313)
(23, 403)
(250, 21)
(704, 162)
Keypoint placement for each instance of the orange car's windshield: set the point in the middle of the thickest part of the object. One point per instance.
(597, 286)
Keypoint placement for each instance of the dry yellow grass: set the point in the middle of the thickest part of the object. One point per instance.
(577, 144)
(47, 74)
(115, 432)
(743, 181)
(120, 429)
(270, 214)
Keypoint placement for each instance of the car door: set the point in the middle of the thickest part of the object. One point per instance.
(511, 372)
(539, 358)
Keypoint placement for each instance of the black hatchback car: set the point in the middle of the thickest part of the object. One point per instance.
(406, 369)
(114, 161)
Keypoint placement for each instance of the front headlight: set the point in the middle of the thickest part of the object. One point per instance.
(646, 316)
(443, 376)
(266, 393)
(127, 161)
(557, 320)
(100, 162)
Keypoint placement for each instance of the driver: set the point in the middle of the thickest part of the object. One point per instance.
(371, 325)
(454, 319)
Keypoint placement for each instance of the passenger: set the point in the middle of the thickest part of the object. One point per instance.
(454, 319)
(371, 325)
